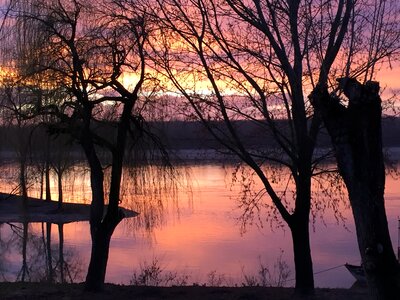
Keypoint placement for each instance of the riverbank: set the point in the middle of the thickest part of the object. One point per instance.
(35, 291)
(13, 210)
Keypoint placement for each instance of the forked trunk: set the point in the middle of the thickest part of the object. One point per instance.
(101, 228)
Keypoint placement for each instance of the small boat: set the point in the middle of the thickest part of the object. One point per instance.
(357, 272)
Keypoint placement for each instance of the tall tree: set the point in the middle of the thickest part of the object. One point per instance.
(86, 53)
(357, 138)
(352, 113)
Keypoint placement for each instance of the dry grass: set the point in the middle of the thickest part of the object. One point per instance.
(33, 291)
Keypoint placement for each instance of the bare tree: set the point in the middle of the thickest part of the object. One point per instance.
(20, 130)
(352, 113)
(357, 137)
(86, 59)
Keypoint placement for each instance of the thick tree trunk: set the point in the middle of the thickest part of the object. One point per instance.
(101, 229)
(357, 139)
(302, 257)
(299, 226)
(374, 242)
(99, 256)
(100, 238)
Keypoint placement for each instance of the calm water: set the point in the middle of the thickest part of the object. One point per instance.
(192, 228)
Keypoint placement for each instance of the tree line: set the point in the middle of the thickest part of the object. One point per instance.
(74, 66)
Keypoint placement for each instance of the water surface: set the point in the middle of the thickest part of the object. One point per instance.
(194, 229)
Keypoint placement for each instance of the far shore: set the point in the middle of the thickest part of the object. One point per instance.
(12, 210)
(33, 291)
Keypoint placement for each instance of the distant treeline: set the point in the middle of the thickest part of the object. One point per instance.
(176, 135)
(193, 135)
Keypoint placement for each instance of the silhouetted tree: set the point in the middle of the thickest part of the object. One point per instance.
(85, 52)
(357, 138)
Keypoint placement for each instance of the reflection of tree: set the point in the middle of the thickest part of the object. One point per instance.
(61, 262)
(24, 269)
(3, 266)
(7, 242)
(57, 267)
(42, 260)
(49, 260)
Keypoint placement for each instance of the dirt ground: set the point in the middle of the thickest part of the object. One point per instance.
(34, 291)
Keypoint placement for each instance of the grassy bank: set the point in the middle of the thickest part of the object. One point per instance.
(34, 291)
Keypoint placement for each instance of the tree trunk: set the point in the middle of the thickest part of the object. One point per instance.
(299, 226)
(99, 256)
(378, 257)
(101, 229)
(22, 180)
(47, 169)
(60, 190)
(47, 177)
(357, 139)
(98, 261)
(41, 183)
(302, 257)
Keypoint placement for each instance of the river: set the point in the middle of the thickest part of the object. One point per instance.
(191, 231)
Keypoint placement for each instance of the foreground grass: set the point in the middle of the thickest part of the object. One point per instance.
(34, 291)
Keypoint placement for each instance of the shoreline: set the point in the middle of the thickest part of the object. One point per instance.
(216, 155)
(12, 210)
(52, 291)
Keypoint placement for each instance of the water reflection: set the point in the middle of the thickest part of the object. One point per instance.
(192, 226)
(149, 189)
(31, 252)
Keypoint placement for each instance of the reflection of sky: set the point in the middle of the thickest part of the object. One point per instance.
(205, 237)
